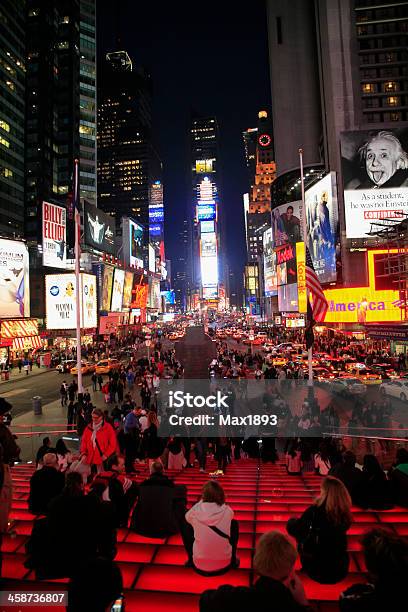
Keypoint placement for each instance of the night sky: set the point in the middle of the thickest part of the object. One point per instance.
(209, 57)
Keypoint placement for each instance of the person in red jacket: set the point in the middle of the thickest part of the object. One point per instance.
(98, 440)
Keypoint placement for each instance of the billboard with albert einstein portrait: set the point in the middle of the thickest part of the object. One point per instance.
(375, 178)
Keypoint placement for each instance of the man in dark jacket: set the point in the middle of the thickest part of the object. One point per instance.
(347, 472)
(43, 450)
(161, 505)
(278, 587)
(399, 478)
(45, 484)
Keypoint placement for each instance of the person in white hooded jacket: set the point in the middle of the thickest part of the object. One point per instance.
(211, 533)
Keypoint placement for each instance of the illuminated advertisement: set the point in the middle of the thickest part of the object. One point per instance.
(107, 283)
(301, 276)
(206, 191)
(127, 289)
(202, 166)
(154, 300)
(209, 271)
(133, 242)
(61, 302)
(322, 227)
(269, 260)
(152, 259)
(287, 223)
(117, 290)
(99, 229)
(169, 297)
(207, 227)
(206, 212)
(156, 215)
(155, 229)
(54, 235)
(375, 178)
(208, 245)
(140, 292)
(365, 304)
(14, 279)
(288, 298)
(18, 328)
(286, 264)
(210, 293)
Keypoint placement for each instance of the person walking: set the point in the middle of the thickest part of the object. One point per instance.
(94, 379)
(100, 382)
(64, 393)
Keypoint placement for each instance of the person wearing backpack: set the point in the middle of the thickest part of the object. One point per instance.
(211, 534)
(321, 533)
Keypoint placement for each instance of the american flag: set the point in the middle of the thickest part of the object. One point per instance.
(319, 303)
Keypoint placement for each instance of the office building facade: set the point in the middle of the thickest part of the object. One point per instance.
(12, 112)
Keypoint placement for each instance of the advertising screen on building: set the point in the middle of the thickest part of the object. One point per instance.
(206, 190)
(169, 297)
(107, 283)
(140, 292)
(61, 302)
(127, 289)
(154, 300)
(322, 227)
(54, 235)
(14, 279)
(286, 264)
(209, 271)
(156, 215)
(269, 259)
(288, 298)
(152, 259)
(202, 166)
(365, 304)
(117, 290)
(99, 229)
(287, 223)
(210, 293)
(208, 245)
(375, 178)
(136, 244)
(206, 212)
(207, 227)
(18, 328)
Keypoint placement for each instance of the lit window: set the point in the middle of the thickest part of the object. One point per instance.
(392, 101)
(4, 142)
(4, 125)
(368, 88)
(64, 44)
(65, 19)
(390, 86)
(6, 172)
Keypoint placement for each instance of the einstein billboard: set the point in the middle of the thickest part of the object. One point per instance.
(375, 178)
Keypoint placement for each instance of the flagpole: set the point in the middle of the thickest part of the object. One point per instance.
(78, 291)
(304, 229)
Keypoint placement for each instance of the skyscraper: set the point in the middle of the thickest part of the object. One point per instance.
(12, 109)
(60, 115)
(207, 243)
(127, 160)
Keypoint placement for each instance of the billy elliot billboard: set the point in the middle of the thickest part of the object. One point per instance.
(375, 178)
(54, 235)
(99, 229)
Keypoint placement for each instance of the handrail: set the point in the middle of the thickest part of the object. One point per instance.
(51, 431)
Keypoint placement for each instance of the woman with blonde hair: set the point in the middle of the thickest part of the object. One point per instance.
(321, 533)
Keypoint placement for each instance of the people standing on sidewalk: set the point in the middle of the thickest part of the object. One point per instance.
(64, 393)
(94, 379)
(100, 382)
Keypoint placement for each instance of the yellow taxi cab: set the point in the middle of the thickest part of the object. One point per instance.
(107, 365)
(365, 374)
(87, 368)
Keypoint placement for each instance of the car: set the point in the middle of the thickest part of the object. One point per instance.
(395, 388)
(65, 366)
(347, 385)
(107, 365)
(87, 368)
(385, 370)
(366, 374)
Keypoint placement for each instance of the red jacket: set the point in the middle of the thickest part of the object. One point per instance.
(107, 442)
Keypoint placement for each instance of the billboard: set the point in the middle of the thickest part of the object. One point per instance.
(206, 212)
(210, 293)
(202, 166)
(54, 235)
(117, 290)
(301, 276)
(61, 302)
(152, 259)
(375, 178)
(127, 289)
(154, 300)
(287, 223)
(99, 229)
(136, 244)
(107, 283)
(209, 271)
(286, 264)
(169, 297)
(207, 227)
(269, 260)
(19, 328)
(14, 279)
(208, 245)
(140, 292)
(156, 215)
(365, 304)
(322, 227)
(288, 298)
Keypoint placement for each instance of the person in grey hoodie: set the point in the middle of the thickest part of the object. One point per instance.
(211, 533)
